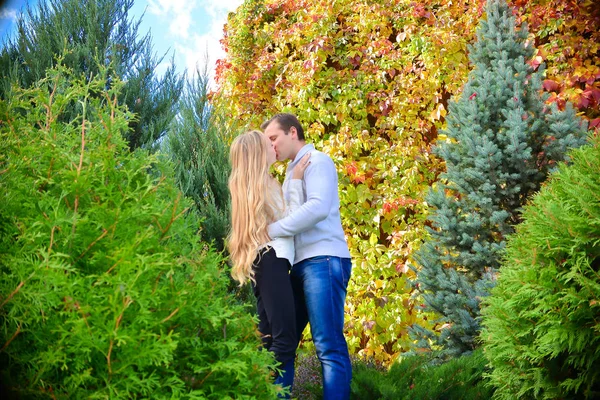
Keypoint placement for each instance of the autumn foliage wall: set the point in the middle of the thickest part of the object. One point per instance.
(371, 81)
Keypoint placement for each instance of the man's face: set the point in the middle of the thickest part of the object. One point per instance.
(284, 143)
(271, 156)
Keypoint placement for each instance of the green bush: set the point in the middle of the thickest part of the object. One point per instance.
(106, 290)
(415, 377)
(542, 323)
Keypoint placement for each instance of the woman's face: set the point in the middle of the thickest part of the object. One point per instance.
(271, 155)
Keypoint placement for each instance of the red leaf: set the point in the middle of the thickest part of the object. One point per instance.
(387, 208)
(536, 61)
(595, 94)
(550, 85)
(583, 102)
(351, 168)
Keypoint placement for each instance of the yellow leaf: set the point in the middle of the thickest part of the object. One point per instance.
(373, 239)
(438, 112)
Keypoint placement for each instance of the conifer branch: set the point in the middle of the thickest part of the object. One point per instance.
(126, 302)
(170, 315)
(80, 164)
(156, 283)
(110, 347)
(10, 296)
(104, 232)
(113, 266)
(50, 168)
(173, 216)
(48, 107)
(205, 377)
(82, 145)
(12, 337)
(112, 110)
(51, 244)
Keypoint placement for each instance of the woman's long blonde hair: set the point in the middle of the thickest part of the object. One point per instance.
(255, 201)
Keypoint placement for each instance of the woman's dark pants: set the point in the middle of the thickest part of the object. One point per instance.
(276, 312)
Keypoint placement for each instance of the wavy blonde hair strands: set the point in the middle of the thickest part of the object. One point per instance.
(256, 200)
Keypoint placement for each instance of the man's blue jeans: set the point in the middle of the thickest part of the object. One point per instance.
(319, 285)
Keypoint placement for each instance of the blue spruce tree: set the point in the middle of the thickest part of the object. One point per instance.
(502, 142)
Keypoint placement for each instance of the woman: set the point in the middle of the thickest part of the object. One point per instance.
(256, 201)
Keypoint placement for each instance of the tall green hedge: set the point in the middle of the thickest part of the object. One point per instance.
(106, 290)
(542, 322)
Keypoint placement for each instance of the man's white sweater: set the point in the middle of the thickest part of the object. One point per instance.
(316, 224)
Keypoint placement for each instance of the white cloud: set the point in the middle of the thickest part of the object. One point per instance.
(193, 29)
(8, 13)
(219, 8)
(203, 49)
(164, 7)
(181, 25)
(195, 50)
(178, 12)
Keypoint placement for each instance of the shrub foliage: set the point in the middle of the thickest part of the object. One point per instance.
(415, 377)
(106, 290)
(541, 323)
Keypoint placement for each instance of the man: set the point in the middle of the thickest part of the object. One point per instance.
(322, 263)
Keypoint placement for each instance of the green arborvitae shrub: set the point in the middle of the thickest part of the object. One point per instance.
(106, 290)
(542, 321)
(415, 377)
(502, 140)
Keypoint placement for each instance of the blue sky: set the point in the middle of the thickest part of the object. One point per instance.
(190, 28)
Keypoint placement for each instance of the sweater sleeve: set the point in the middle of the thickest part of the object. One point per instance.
(320, 178)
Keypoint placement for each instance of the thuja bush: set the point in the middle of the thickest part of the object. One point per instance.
(106, 290)
(416, 377)
(542, 321)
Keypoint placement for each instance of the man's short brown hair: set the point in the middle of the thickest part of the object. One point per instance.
(286, 121)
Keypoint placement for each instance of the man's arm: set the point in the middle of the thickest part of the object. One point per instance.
(320, 178)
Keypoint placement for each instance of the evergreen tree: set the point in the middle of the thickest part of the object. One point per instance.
(502, 142)
(90, 34)
(196, 144)
(105, 289)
